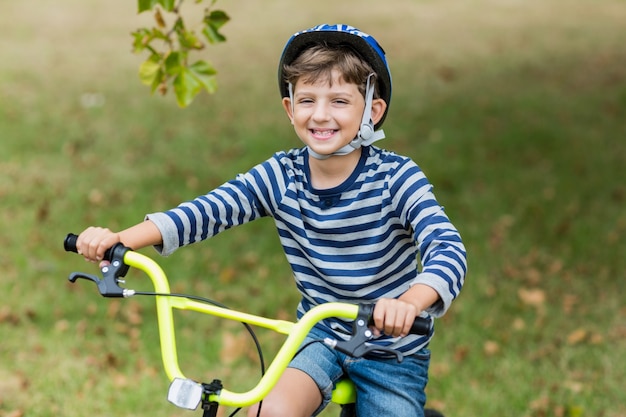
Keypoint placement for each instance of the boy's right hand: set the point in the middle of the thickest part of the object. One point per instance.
(94, 241)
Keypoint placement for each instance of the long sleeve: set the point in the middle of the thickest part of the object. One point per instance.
(442, 253)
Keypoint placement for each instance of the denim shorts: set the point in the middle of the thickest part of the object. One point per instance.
(384, 386)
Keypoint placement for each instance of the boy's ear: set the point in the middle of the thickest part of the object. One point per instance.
(378, 109)
(288, 108)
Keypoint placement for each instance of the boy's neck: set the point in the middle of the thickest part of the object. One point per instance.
(333, 171)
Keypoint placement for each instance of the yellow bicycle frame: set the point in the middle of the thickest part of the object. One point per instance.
(296, 333)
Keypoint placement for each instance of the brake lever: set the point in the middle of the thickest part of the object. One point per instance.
(108, 286)
(361, 333)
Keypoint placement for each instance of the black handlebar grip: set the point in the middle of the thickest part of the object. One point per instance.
(421, 326)
(69, 244)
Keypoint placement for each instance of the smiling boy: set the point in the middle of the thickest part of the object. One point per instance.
(352, 219)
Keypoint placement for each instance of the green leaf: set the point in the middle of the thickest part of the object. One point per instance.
(179, 25)
(212, 24)
(212, 35)
(217, 18)
(174, 63)
(158, 34)
(144, 5)
(205, 74)
(186, 38)
(149, 71)
(141, 37)
(189, 40)
(167, 4)
(191, 80)
(186, 87)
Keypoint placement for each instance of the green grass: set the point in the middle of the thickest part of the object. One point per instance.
(515, 111)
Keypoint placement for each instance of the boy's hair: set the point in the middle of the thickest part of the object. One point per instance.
(316, 63)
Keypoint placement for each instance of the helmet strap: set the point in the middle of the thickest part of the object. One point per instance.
(366, 135)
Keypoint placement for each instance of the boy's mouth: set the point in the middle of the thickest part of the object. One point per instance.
(322, 133)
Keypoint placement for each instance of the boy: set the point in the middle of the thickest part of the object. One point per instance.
(352, 219)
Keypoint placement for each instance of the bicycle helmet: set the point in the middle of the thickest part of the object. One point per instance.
(369, 50)
(364, 44)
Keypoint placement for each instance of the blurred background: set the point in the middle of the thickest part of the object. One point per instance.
(515, 110)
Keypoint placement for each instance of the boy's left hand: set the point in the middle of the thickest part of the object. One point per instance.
(394, 317)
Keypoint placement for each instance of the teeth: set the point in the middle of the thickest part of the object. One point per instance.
(323, 132)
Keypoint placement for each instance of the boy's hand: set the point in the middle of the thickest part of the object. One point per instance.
(394, 317)
(94, 241)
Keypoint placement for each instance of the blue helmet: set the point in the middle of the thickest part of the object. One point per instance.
(364, 44)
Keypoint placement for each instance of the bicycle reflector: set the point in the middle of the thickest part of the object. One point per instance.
(185, 393)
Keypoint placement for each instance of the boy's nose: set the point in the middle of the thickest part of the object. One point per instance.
(321, 112)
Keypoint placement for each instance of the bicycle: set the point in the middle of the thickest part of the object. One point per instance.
(189, 394)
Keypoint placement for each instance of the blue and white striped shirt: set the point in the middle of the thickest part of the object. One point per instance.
(357, 242)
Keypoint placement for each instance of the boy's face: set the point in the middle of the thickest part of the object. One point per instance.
(327, 118)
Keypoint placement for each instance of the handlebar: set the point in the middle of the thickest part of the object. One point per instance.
(69, 244)
(121, 258)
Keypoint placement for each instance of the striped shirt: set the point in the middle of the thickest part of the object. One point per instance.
(360, 241)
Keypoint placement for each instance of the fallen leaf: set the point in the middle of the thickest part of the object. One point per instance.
(533, 276)
(120, 380)
(96, 197)
(490, 291)
(7, 316)
(111, 360)
(491, 348)
(461, 353)
(233, 347)
(283, 314)
(43, 212)
(540, 404)
(113, 308)
(30, 313)
(574, 386)
(597, 339)
(519, 324)
(577, 336)
(439, 369)
(555, 267)
(133, 313)
(436, 405)
(569, 302)
(134, 339)
(534, 297)
(227, 275)
(61, 326)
